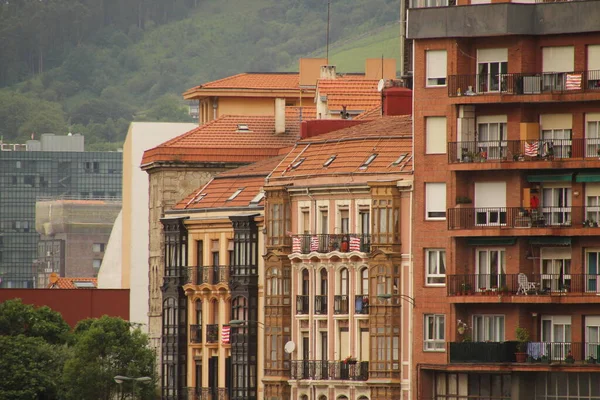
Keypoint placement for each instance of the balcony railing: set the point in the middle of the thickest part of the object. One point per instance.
(553, 284)
(523, 217)
(301, 304)
(523, 150)
(326, 243)
(340, 304)
(321, 304)
(207, 393)
(523, 83)
(212, 333)
(361, 304)
(431, 3)
(195, 333)
(330, 370)
(212, 274)
(483, 352)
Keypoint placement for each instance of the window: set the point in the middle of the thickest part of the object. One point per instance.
(592, 133)
(556, 269)
(235, 194)
(305, 220)
(435, 267)
(435, 133)
(329, 161)
(435, 199)
(96, 264)
(344, 287)
(324, 215)
(492, 67)
(364, 281)
(488, 328)
(592, 270)
(556, 330)
(296, 164)
(556, 62)
(593, 66)
(556, 205)
(428, 3)
(215, 252)
(491, 131)
(257, 199)
(491, 269)
(436, 67)
(345, 220)
(364, 220)
(98, 247)
(399, 159)
(368, 161)
(435, 332)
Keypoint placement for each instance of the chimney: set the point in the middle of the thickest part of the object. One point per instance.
(327, 72)
(279, 116)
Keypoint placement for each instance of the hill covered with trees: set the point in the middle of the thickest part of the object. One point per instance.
(93, 66)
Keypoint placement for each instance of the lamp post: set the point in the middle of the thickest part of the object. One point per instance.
(234, 323)
(143, 379)
(405, 297)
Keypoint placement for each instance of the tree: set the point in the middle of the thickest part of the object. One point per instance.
(17, 318)
(105, 348)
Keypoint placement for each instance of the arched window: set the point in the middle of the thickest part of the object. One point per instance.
(364, 281)
(323, 283)
(344, 282)
(304, 397)
(199, 312)
(305, 282)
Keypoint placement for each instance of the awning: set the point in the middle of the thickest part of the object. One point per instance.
(588, 177)
(550, 178)
(550, 241)
(491, 241)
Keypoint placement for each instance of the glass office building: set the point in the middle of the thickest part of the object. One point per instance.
(25, 177)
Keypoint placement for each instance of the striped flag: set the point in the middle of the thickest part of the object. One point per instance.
(354, 243)
(532, 149)
(296, 245)
(225, 334)
(573, 82)
(314, 243)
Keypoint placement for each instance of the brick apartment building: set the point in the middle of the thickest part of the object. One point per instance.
(507, 190)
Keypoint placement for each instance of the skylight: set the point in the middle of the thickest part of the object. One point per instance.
(298, 163)
(257, 198)
(400, 159)
(369, 161)
(329, 161)
(83, 284)
(199, 197)
(243, 128)
(235, 194)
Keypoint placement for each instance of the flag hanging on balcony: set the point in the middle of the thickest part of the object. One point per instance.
(314, 243)
(354, 244)
(296, 245)
(532, 149)
(225, 334)
(573, 82)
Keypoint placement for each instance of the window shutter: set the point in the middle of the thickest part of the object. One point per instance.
(556, 121)
(492, 55)
(435, 135)
(435, 197)
(436, 63)
(593, 61)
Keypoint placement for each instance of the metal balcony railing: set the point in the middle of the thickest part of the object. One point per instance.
(361, 304)
(301, 304)
(330, 370)
(340, 304)
(552, 284)
(523, 217)
(196, 333)
(537, 352)
(498, 150)
(212, 333)
(326, 243)
(208, 393)
(483, 352)
(321, 304)
(212, 275)
(523, 83)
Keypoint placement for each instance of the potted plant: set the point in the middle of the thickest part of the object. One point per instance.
(591, 360)
(503, 290)
(569, 359)
(349, 360)
(465, 288)
(461, 327)
(523, 338)
(462, 200)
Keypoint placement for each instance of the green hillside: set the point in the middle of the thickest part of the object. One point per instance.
(125, 66)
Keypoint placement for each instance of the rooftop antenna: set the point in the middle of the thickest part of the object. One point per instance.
(327, 40)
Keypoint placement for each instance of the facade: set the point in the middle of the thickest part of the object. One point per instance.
(338, 266)
(506, 115)
(28, 172)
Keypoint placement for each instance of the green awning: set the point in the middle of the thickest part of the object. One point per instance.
(588, 177)
(550, 241)
(550, 178)
(491, 241)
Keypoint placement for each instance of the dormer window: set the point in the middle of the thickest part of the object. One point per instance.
(369, 161)
(329, 161)
(235, 194)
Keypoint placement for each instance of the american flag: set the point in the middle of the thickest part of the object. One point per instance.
(225, 334)
(314, 243)
(532, 149)
(573, 82)
(354, 244)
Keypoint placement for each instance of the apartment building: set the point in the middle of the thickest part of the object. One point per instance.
(507, 182)
(338, 274)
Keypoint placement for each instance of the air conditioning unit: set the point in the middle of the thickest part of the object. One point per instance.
(532, 84)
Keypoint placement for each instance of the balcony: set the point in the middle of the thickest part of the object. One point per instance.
(524, 217)
(495, 151)
(361, 304)
(558, 284)
(207, 393)
(302, 304)
(321, 304)
(330, 370)
(195, 333)
(211, 275)
(523, 83)
(327, 243)
(212, 333)
(340, 304)
(483, 352)
(537, 352)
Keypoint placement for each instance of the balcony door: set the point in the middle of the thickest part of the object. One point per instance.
(592, 135)
(556, 332)
(592, 277)
(490, 203)
(556, 62)
(491, 139)
(556, 269)
(556, 205)
(492, 67)
(488, 328)
(491, 269)
(592, 337)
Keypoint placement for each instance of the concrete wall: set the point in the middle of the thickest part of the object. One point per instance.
(109, 276)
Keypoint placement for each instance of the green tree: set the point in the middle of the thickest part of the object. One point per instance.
(103, 349)
(17, 318)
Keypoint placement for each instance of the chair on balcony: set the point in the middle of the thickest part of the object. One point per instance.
(524, 285)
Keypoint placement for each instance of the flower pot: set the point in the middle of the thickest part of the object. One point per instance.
(461, 330)
(351, 362)
(521, 357)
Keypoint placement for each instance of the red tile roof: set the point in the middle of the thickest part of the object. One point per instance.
(222, 140)
(280, 81)
(71, 283)
(216, 193)
(373, 113)
(354, 93)
(388, 137)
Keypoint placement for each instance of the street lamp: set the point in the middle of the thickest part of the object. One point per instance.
(405, 297)
(234, 323)
(120, 379)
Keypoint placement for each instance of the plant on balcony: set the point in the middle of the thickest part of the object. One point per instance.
(349, 360)
(523, 338)
(591, 360)
(465, 288)
(569, 359)
(463, 330)
(503, 290)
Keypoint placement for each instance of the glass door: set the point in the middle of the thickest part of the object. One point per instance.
(556, 143)
(491, 273)
(556, 205)
(592, 277)
(492, 140)
(592, 337)
(592, 139)
(492, 76)
(556, 334)
(556, 275)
